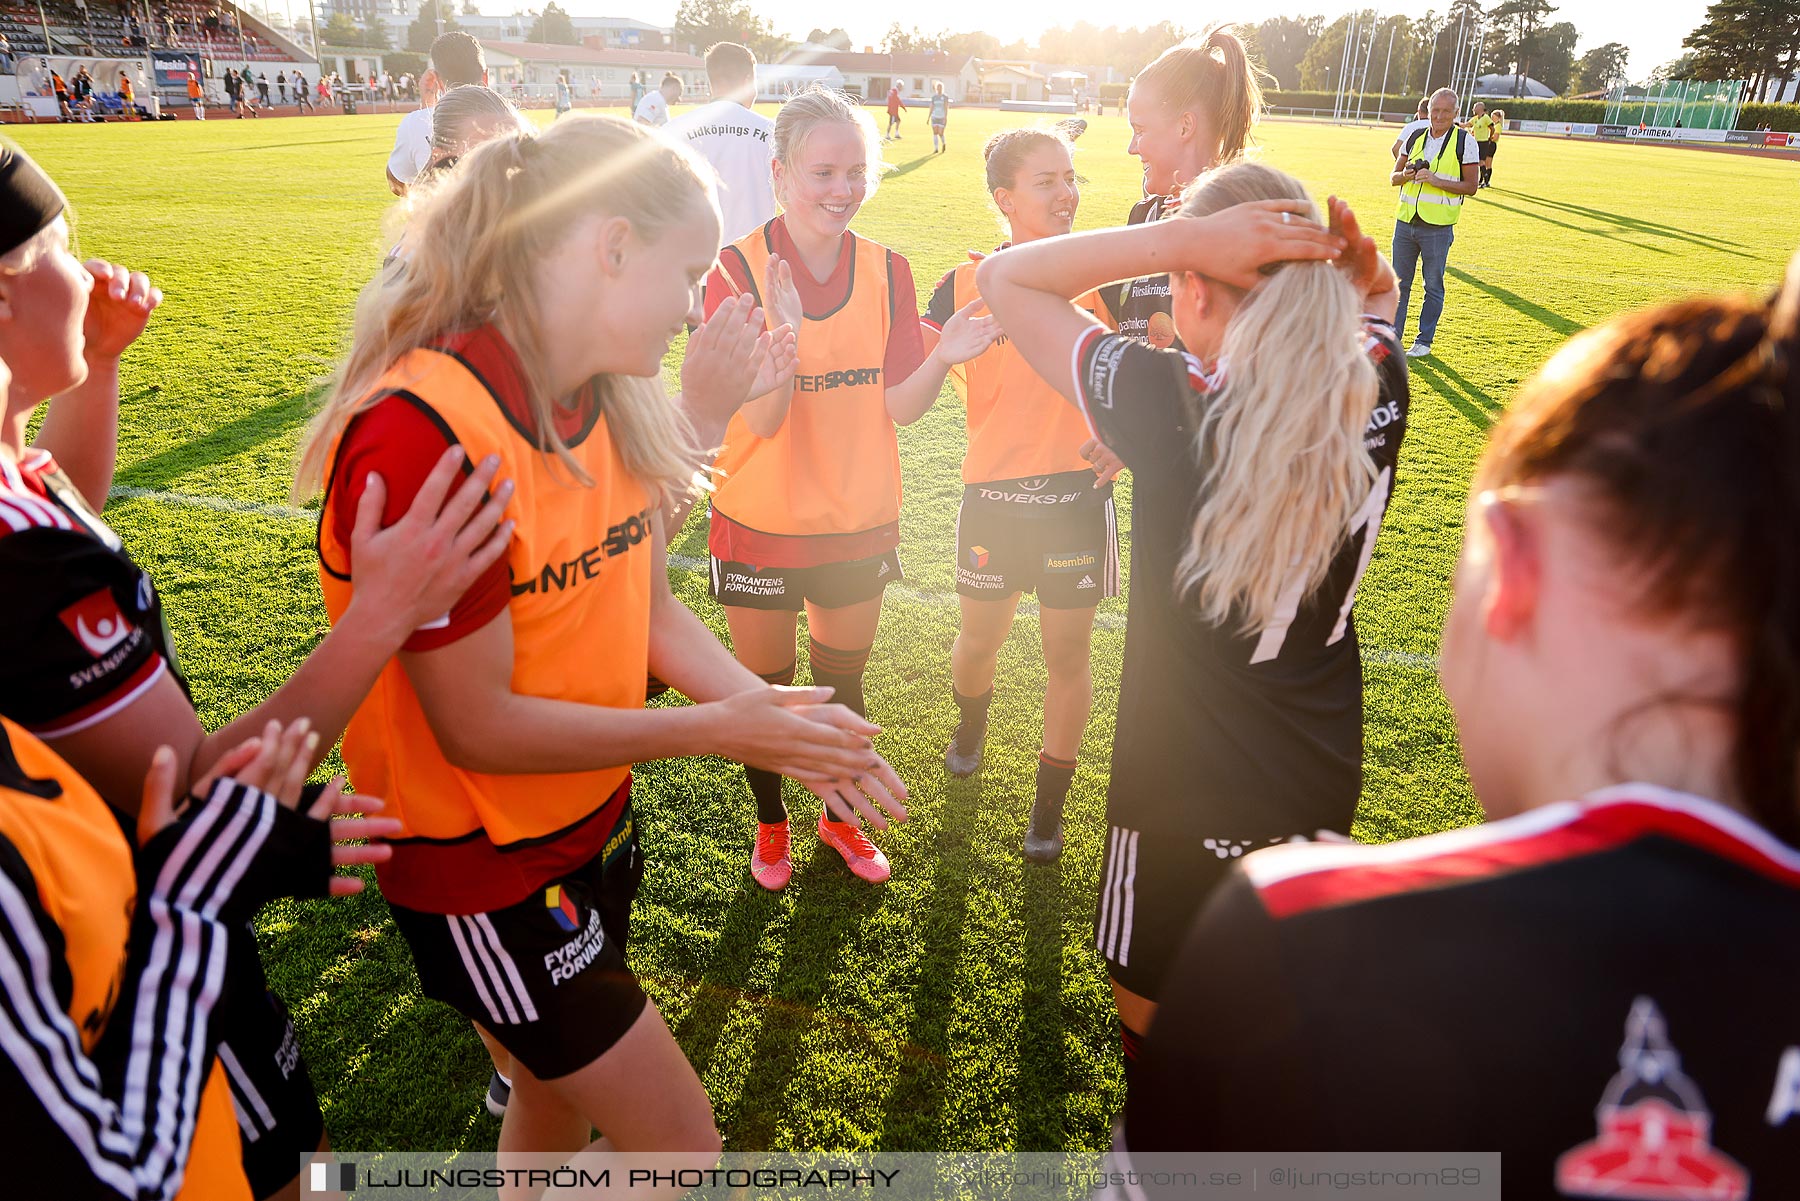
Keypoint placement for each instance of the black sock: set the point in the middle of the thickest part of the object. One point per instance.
(765, 786)
(841, 671)
(974, 713)
(1133, 1044)
(1053, 778)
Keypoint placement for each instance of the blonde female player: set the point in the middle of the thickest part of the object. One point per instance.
(1034, 518)
(1190, 110)
(1261, 468)
(546, 279)
(86, 659)
(807, 508)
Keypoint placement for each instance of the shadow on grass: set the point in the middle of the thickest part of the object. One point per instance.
(1518, 304)
(1042, 1082)
(1580, 229)
(910, 1114)
(1463, 396)
(1654, 229)
(909, 166)
(726, 977)
(279, 145)
(830, 909)
(251, 430)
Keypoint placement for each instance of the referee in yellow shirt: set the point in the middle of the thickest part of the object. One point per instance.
(1481, 127)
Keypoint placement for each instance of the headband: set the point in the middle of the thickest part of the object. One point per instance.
(29, 200)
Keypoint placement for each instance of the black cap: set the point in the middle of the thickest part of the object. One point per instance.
(29, 199)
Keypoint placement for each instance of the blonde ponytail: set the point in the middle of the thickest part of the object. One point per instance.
(1286, 469)
(1210, 74)
(471, 250)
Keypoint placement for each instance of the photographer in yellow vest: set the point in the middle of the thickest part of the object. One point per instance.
(1435, 170)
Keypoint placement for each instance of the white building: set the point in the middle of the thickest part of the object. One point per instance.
(593, 74)
(870, 74)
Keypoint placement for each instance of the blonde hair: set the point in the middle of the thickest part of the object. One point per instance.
(1210, 73)
(819, 105)
(1282, 442)
(472, 250)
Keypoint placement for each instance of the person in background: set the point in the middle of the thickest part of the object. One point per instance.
(1622, 656)
(6, 55)
(734, 138)
(895, 102)
(1034, 517)
(281, 82)
(127, 98)
(1436, 170)
(1481, 127)
(302, 93)
(940, 117)
(456, 60)
(653, 110)
(565, 100)
(262, 87)
(1421, 120)
(1487, 161)
(196, 96)
(464, 118)
(637, 91)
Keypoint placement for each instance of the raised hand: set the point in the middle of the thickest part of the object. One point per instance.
(781, 296)
(1235, 244)
(721, 365)
(118, 308)
(1363, 263)
(965, 335)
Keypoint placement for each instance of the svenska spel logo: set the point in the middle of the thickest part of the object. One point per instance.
(561, 908)
(331, 1177)
(978, 556)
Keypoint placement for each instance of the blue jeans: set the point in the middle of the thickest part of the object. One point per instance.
(1431, 242)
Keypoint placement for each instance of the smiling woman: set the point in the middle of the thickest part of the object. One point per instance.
(807, 514)
(547, 278)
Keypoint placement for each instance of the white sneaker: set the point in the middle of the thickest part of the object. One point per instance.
(1418, 350)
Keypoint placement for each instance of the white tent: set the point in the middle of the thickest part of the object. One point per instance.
(1490, 87)
(778, 81)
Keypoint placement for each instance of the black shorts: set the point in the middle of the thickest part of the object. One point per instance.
(1488, 148)
(1056, 535)
(787, 589)
(277, 1109)
(546, 977)
(1153, 884)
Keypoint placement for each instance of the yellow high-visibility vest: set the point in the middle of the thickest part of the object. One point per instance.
(1430, 203)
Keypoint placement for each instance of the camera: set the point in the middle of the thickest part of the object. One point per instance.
(1418, 164)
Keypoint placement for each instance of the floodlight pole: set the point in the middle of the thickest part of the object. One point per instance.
(44, 24)
(312, 17)
(1385, 64)
(1344, 60)
(1362, 80)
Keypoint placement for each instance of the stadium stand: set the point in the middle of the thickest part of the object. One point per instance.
(104, 28)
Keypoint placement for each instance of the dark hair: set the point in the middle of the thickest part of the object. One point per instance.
(457, 58)
(1684, 421)
(461, 109)
(730, 66)
(1210, 73)
(1007, 150)
(669, 77)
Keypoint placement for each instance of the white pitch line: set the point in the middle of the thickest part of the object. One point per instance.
(688, 563)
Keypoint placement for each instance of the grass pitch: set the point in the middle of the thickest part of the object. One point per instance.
(962, 1005)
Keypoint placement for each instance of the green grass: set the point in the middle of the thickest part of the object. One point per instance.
(962, 1005)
